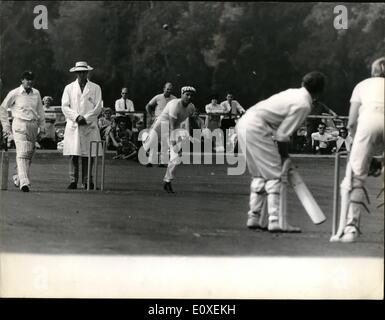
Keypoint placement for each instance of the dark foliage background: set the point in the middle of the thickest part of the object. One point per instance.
(251, 49)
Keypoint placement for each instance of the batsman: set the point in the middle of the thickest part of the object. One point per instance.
(28, 118)
(366, 125)
(263, 135)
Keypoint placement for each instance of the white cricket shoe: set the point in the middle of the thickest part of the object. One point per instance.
(16, 181)
(273, 226)
(253, 220)
(350, 234)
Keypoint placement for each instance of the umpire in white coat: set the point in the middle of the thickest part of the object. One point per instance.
(81, 105)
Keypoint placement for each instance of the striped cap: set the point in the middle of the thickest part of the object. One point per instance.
(187, 89)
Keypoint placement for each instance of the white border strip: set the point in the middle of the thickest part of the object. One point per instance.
(80, 276)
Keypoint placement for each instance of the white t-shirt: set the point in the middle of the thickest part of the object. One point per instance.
(323, 139)
(284, 112)
(215, 108)
(370, 93)
(160, 102)
(173, 109)
(234, 108)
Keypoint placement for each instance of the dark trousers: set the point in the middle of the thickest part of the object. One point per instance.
(74, 168)
(226, 124)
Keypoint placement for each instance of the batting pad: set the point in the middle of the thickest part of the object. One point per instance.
(24, 149)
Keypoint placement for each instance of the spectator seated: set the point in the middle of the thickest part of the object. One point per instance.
(121, 138)
(322, 142)
(344, 141)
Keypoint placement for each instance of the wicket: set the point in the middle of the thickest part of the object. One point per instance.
(336, 191)
(4, 164)
(97, 144)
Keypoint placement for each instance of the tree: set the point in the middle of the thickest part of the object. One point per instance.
(23, 47)
(343, 55)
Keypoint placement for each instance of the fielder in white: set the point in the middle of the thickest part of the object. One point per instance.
(154, 108)
(263, 136)
(170, 119)
(366, 125)
(28, 117)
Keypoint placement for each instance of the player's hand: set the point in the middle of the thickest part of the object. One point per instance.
(81, 120)
(283, 149)
(7, 134)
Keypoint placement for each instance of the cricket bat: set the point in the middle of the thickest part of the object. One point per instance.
(283, 219)
(304, 195)
(4, 165)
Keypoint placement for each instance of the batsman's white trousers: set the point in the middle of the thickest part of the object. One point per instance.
(262, 156)
(255, 139)
(368, 142)
(25, 135)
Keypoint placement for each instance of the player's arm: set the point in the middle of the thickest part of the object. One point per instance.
(355, 104)
(7, 103)
(293, 120)
(353, 116)
(151, 105)
(68, 112)
(92, 115)
(173, 127)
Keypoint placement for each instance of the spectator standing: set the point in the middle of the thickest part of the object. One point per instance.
(156, 105)
(233, 108)
(215, 111)
(124, 105)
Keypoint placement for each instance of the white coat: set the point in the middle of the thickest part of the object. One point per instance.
(89, 105)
